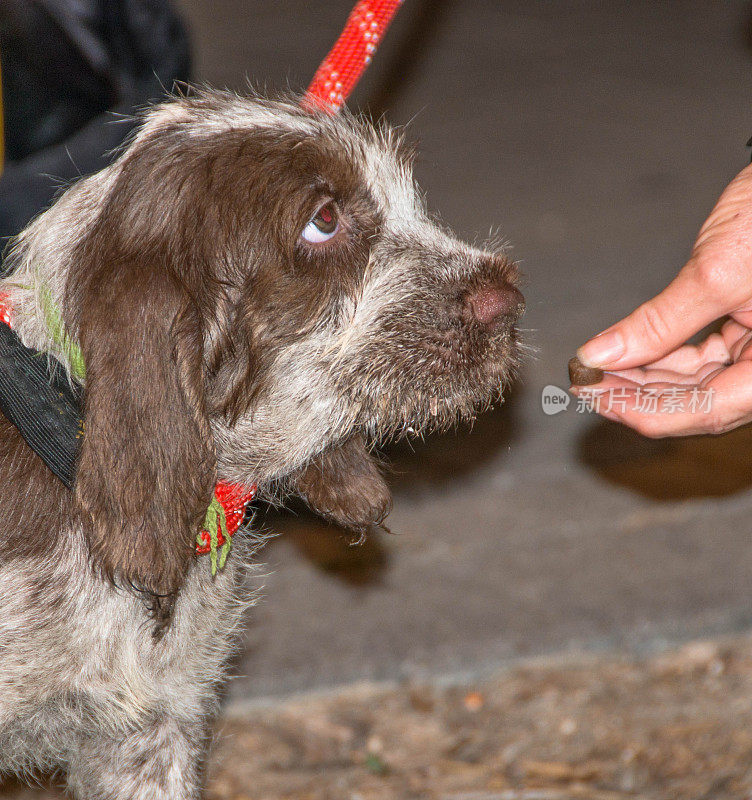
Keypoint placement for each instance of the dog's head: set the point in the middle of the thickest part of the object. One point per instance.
(251, 285)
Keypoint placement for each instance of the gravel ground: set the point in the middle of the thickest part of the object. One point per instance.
(675, 725)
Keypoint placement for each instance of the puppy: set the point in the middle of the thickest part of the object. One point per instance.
(259, 297)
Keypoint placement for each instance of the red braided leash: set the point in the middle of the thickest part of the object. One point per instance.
(352, 53)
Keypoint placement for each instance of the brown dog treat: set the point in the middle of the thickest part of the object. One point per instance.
(580, 375)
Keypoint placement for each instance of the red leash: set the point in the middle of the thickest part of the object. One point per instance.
(352, 53)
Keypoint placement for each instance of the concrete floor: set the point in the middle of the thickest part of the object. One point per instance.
(595, 136)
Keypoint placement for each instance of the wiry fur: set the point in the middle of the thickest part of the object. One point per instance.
(218, 344)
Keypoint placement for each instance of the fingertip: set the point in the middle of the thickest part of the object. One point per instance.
(603, 350)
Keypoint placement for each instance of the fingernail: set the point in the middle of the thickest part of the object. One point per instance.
(604, 349)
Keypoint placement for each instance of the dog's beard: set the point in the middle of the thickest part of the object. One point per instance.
(428, 387)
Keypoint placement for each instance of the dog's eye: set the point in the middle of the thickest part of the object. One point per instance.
(322, 226)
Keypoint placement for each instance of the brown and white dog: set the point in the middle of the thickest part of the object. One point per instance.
(259, 296)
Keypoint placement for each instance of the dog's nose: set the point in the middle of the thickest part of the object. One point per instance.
(495, 304)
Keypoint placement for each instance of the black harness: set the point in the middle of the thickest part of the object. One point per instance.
(36, 396)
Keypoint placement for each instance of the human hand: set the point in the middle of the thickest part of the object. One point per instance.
(645, 351)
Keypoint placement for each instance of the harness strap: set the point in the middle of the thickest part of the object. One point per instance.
(37, 398)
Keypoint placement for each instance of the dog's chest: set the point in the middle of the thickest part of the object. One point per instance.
(77, 654)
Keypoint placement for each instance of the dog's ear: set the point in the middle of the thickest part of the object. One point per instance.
(146, 470)
(344, 485)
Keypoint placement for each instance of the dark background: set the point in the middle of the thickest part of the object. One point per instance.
(594, 136)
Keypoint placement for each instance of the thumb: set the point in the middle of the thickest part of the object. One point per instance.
(657, 327)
